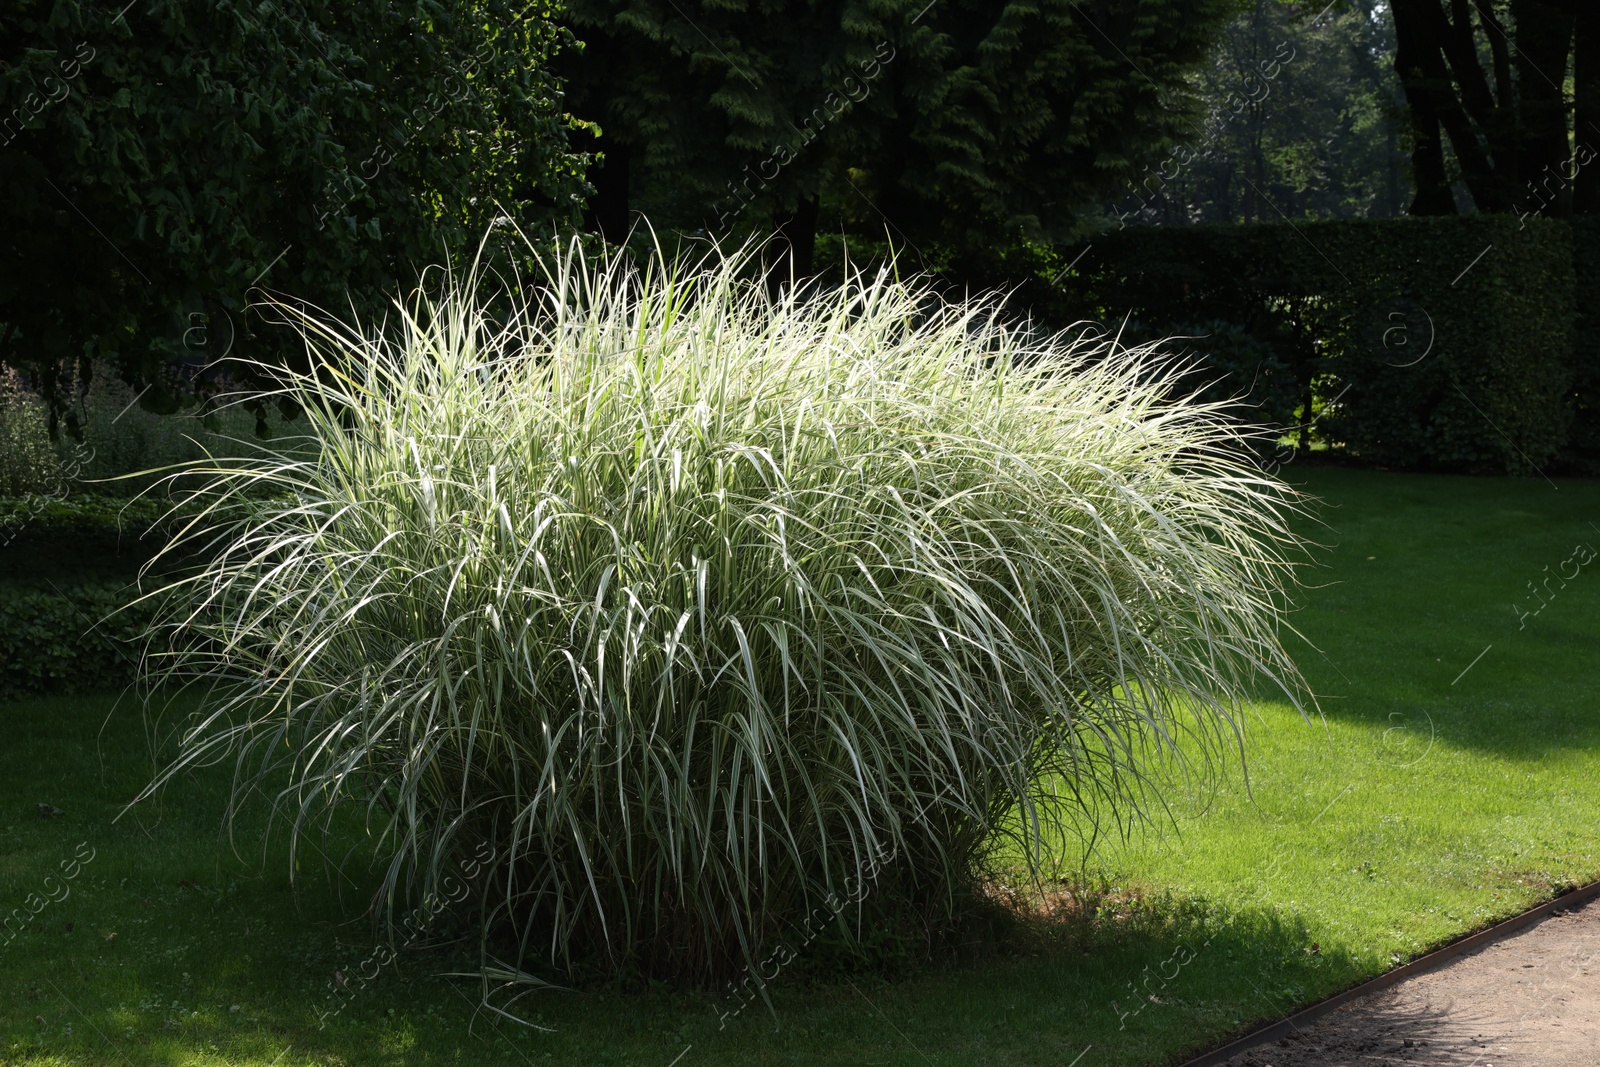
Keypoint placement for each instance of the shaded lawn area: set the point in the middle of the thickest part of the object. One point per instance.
(1428, 802)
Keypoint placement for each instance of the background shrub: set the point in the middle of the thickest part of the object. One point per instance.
(106, 436)
(1234, 365)
(69, 567)
(1582, 454)
(73, 538)
(692, 601)
(72, 637)
(28, 461)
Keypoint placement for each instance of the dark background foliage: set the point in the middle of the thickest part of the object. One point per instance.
(945, 127)
(162, 162)
(1410, 343)
(68, 569)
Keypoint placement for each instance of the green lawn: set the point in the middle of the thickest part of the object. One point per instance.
(1425, 803)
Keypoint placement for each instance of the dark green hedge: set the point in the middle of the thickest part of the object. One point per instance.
(80, 515)
(1582, 454)
(70, 639)
(68, 568)
(1497, 297)
(80, 537)
(1436, 343)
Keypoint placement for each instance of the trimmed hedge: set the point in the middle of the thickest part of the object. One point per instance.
(67, 564)
(1350, 306)
(82, 536)
(68, 641)
(1493, 392)
(1582, 454)
(102, 519)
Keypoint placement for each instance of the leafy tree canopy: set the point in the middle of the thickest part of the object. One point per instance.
(1304, 119)
(162, 162)
(948, 123)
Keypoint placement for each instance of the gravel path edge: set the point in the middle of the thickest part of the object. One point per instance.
(1437, 958)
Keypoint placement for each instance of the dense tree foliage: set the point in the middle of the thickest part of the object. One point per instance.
(1009, 119)
(160, 162)
(1304, 120)
(943, 125)
(705, 106)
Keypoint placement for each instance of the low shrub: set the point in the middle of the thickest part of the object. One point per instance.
(689, 599)
(82, 515)
(104, 439)
(69, 568)
(70, 638)
(28, 462)
(1233, 365)
(83, 536)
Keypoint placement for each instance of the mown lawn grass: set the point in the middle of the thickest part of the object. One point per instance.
(1424, 803)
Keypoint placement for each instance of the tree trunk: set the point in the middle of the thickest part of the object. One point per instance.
(1544, 41)
(1433, 195)
(794, 246)
(1504, 126)
(608, 208)
(1482, 130)
(1586, 118)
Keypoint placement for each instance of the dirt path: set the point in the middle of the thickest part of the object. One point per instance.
(1532, 1000)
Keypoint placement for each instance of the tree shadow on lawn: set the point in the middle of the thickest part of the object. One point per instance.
(173, 950)
(1145, 972)
(1071, 965)
(242, 970)
(1428, 598)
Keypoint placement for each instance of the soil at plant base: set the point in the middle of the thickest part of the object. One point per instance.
(1532, 1000)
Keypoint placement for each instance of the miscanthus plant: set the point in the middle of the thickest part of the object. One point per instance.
(691, 601)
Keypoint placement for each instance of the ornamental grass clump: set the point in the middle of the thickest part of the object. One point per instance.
(690, 601)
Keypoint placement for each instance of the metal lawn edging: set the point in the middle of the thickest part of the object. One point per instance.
(1471, 943)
